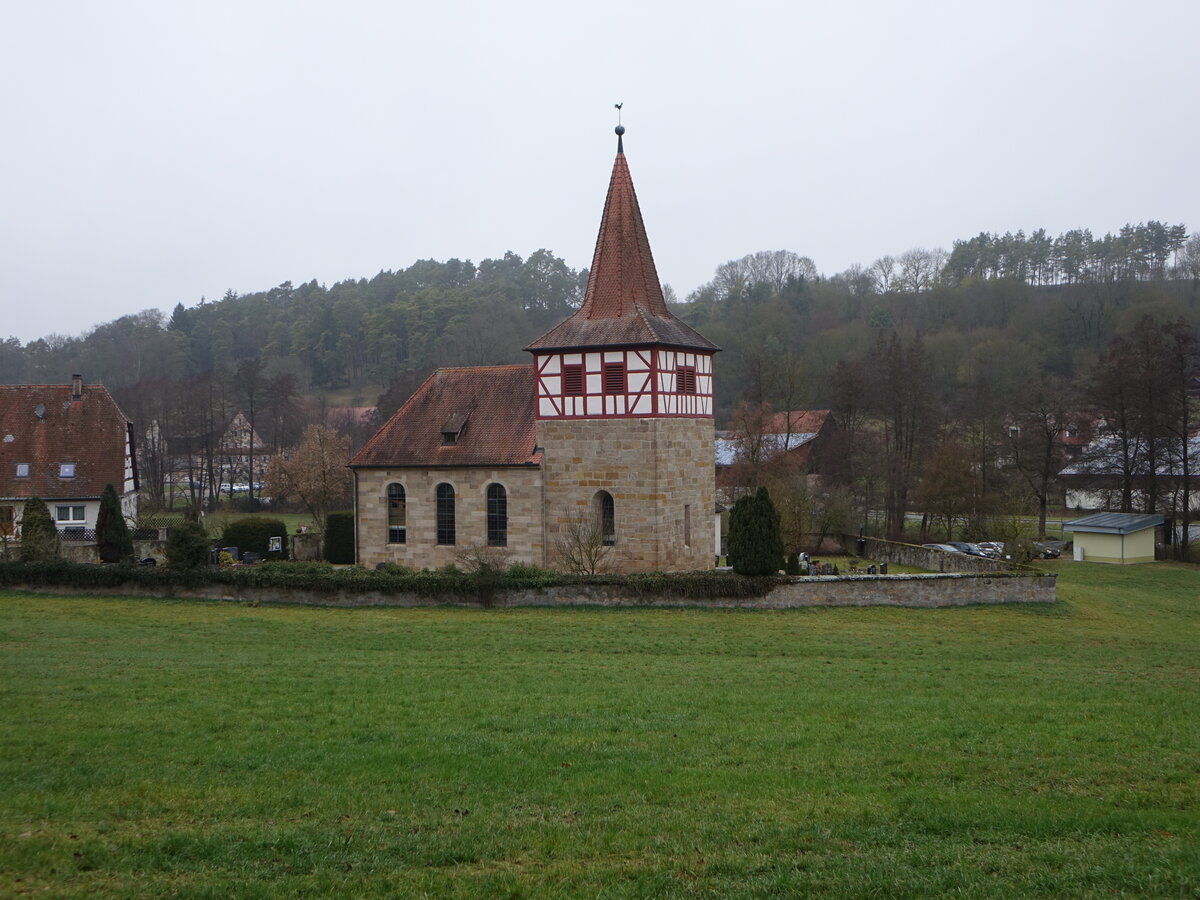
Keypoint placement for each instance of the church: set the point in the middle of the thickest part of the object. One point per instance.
(608, 431)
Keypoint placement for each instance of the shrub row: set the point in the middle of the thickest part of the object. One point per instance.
(323, 577)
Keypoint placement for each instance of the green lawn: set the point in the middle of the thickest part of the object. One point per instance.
(158, 748)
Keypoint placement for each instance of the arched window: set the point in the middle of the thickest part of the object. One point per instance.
(497, 515)
(397, 514)
(445, 514)
(605, 511)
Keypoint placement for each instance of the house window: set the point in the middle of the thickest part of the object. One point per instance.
(602, 504)
(573, 379)
(614, 378)
(22, 470)
(7, 523)
(69, 513)
(397, 513)
(445, 514)
(497, 515)
(66, 470)
(685, 380)
(1014, 431)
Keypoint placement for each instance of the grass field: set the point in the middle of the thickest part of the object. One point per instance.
(157, 748)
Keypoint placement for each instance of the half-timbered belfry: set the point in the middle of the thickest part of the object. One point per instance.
(620, 411)
(624, 403)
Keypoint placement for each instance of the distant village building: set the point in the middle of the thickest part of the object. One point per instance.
(610, 428)
(793, 440)
(1111, 537)
(1109, 467)
(63, 443)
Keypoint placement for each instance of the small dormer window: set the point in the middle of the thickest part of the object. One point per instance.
(22, 470)
(453, 429)
(66, 470)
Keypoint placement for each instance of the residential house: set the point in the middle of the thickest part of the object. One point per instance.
(63, 443)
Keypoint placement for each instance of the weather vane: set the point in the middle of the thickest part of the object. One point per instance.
(618, 106)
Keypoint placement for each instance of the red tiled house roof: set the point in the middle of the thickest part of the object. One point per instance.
(91, 432)
(798, 421)
(490, 409)
(623, 304)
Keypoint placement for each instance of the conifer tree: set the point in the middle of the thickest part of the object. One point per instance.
(113, 540)
(755, 541)
(39, 534)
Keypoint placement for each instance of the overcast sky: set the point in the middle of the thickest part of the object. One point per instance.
(154, 153)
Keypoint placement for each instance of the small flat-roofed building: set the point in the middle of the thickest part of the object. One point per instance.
(1111, 537)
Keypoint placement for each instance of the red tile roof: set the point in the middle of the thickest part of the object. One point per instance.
(623, 303)
(91, 432)
(499, 429)
(801, 421)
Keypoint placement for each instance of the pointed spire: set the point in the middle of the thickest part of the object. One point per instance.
(623, 302)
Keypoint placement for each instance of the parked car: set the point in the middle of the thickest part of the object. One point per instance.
(994, 549)
(1046, 551)
(944, 547)
(966, 547)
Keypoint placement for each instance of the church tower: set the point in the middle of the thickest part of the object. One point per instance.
(625, 407)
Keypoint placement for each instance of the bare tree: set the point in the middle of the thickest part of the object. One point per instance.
(315, 474)
(581, 546)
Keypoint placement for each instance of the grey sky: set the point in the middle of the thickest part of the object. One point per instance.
(157, 152)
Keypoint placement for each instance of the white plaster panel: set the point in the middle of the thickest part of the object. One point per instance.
(546, 408)
(593, 384)
(552, 385)
(593, 406)
(642, 405)
(639, 382)
(614, 356)
(553, 365)
(593, 362)
(637, 362)
(572, 359)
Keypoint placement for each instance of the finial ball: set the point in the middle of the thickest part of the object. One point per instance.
(620, 129)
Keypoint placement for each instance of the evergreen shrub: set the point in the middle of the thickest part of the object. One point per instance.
(39, 534)
(339, 537)
(114, 543)
(755, 539)
(188, 546)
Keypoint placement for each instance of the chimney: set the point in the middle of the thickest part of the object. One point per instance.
(76, 387)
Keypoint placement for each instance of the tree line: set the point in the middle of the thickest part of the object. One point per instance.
(907, 350)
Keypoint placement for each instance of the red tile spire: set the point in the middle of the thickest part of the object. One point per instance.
(623, 303)
(622, 276)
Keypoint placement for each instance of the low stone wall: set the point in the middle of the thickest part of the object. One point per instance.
(919, 557)
(917, 591)
(87, 553)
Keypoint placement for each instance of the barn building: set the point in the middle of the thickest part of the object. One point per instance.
(609, 429)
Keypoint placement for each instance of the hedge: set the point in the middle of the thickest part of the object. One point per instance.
(323, 577)
(253, 534)
(339, 537)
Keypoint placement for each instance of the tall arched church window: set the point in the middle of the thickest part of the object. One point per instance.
(445, 514)
(497, 516)
(606, 516)
(397, 514)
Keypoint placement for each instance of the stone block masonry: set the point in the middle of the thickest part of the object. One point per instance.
(660, 474)
(420, 550)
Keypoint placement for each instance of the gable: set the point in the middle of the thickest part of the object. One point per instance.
(90, 433)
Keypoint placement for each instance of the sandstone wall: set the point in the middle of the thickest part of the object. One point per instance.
(421, 551)
(661, 475)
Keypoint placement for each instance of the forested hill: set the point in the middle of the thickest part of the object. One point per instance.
(996, 310)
